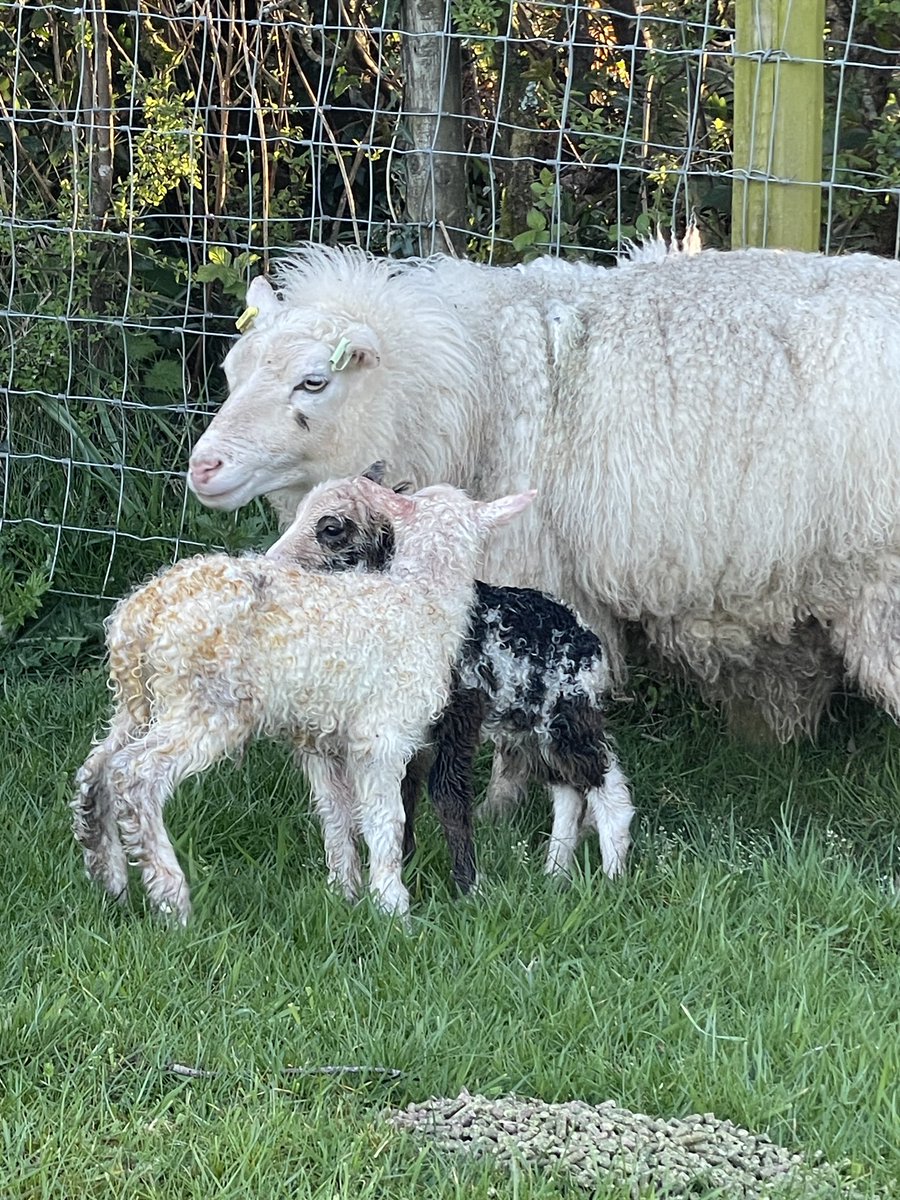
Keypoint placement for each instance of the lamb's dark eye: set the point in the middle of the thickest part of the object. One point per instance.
(330, 529)
(312, 384)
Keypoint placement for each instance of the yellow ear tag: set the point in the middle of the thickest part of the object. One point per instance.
(246, 319)
(342, 355)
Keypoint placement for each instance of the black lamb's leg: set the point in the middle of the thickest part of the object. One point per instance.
(456, 739)
(411, 790)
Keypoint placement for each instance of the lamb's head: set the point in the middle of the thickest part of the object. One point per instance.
(289, 376)
(341, 527)
(360, 524)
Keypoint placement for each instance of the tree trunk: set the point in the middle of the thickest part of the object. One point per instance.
(432, 107)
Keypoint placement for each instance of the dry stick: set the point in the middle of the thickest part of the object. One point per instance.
(340, 162)
(261, 125)
(383, 77)
(351, 179)
(361, 33)
(224, 105)
(102, 118)
(189, 1072)
(42, 185)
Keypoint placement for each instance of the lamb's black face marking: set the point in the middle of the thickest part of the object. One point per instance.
(332, 530)
(347, 544)
(301, 419)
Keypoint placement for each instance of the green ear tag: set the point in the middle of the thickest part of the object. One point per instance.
(246, 319)
(342, 355)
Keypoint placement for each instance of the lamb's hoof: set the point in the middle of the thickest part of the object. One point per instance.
(466, 887)
(174, 912)
(352, 894)
(559, 877)
(494, 809)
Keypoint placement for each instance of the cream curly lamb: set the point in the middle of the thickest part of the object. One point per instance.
(714, 438)
(351, 669)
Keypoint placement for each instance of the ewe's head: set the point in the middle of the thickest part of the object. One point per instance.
(358, 524)
(288, 376)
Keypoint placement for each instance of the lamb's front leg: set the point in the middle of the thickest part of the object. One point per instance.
(611, 810)
(333, 801)
(413, 782)
(382, 821)
(568, 809)
(456, 739)
(508, 784)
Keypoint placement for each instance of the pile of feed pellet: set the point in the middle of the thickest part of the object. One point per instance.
(645, 1155)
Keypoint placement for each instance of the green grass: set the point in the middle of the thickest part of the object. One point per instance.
(748, 965)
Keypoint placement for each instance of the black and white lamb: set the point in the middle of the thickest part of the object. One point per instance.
(529, 675)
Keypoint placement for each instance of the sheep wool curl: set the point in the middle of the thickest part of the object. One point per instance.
(529, 675)
(351, 669)
(714, 439)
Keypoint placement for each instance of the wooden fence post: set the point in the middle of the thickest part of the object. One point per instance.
(778, 103)
(432, 106)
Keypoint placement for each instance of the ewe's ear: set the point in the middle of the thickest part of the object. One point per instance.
(261, 295)
(500, 512)
(361, 347)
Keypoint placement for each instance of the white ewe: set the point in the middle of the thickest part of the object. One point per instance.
(351, 669)
(714, 439)
(528, 673)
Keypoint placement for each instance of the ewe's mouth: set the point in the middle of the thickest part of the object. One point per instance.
(229, 497)
(228, 494)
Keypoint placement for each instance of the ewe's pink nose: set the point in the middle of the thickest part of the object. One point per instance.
(203, 469)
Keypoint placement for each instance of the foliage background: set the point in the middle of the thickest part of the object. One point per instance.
(154, 155)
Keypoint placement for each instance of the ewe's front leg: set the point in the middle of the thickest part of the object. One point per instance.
(93, 811)
(332, 799)
(382, 821)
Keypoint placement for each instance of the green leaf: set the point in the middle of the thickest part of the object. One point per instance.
(164, 376)
(536, 219)
(644, 224)
(140, 346)
(521, 240)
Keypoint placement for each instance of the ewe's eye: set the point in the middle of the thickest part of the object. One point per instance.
(312, 384)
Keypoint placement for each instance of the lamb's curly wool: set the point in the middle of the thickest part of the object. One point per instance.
(529, 674)
(350, 669)
(714, 438)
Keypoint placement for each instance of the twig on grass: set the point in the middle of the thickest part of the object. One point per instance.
(189, 1072)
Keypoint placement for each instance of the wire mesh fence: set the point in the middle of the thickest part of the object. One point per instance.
(155, 155)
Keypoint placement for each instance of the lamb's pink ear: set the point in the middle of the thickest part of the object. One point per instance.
(261, 296)
(500, 512)
(384, 499)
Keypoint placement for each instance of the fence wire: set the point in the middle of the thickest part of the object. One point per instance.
(154, 156)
